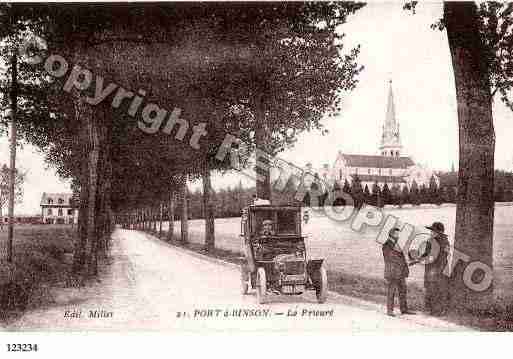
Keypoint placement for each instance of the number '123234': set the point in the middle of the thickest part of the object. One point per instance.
(22, 347)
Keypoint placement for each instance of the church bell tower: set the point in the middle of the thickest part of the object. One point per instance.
(390, 140)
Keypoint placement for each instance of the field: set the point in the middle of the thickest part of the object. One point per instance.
(42, 258)
(359, 255)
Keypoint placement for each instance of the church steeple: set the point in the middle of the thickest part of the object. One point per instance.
(390, 140)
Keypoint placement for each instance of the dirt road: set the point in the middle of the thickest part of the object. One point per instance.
(152, 286)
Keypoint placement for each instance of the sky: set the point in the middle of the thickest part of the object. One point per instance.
(396, 45)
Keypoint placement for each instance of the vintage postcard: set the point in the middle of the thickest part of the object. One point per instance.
(337, 167)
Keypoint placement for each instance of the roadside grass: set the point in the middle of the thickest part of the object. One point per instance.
(42, 259)
(497, 317)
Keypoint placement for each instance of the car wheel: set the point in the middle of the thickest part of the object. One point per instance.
(261, 285)
(321, 289)
(244, 279)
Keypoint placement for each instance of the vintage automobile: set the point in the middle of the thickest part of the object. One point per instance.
(275, 254)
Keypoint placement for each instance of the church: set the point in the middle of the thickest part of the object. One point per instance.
(389, 166)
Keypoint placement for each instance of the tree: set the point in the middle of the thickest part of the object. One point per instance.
(414, 197)
(336, 188)
(184, 215)
(357, 192)
(433, 191)
(481, 46)
(438, 196)
(405, 196)
(11, 30)
(208, 211)
(424, 194)
(396, 195)
(5, 173)
(451, 194)
(367, 198)
(347, 187)
(171, 213)
(376, 198)
(386, 195)
(473, 61)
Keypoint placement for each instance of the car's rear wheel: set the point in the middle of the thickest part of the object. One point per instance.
(261, 285)
(244, 279)
(321, 289)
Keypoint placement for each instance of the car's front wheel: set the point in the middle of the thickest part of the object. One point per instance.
(261, 285)
(321, 289)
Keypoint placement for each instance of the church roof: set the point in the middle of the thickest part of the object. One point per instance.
(375, 161)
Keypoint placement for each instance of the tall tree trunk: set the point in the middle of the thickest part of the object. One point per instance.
(12, 174)
(154, 216)
(80, 249)
(151, 222)
(262, 170)
(208, 210)
(184, 220)
(106, 223)
(161, 214)
(171, 215)
(148, 219)
(475, 205)
(92, 213)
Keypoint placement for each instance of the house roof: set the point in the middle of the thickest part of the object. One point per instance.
(66, 197)
(382, 179)
(375, 161)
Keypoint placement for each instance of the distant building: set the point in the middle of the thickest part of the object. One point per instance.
(58, 208)
(389, 166)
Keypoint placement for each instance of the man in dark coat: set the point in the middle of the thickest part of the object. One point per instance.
(396, 271)
(436, 284)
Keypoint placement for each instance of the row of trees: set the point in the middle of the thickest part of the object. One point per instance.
(385, 195)
(502, 187)
(230, 201)
(239, 69)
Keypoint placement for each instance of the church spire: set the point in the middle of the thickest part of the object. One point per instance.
(390, 119)
(391, 139)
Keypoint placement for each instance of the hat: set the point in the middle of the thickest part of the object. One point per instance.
(437, 227)
(267, 221)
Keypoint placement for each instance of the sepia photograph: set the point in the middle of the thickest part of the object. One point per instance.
(235, 167)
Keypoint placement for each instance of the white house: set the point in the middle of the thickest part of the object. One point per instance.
(58, 208)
